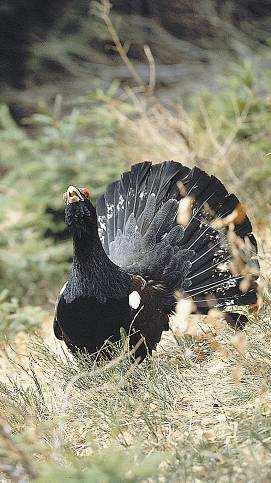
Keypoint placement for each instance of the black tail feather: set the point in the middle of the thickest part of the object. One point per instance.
(138, 227)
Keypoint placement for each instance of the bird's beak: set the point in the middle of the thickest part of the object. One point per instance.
(72, 195)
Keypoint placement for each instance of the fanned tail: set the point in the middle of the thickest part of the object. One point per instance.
(210, 259)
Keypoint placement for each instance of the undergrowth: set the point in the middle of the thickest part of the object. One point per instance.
(199, 409)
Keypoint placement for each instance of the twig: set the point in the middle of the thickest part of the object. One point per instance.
(104, 14)
(152, 73)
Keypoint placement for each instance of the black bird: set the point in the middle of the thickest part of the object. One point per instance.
(139, 247)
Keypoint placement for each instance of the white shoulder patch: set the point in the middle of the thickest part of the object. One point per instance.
(59, 295)
(62, 290)
(134, 300)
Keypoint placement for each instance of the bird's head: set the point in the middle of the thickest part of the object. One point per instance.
(80, 214)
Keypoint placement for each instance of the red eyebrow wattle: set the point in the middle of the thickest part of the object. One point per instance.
(86, 192)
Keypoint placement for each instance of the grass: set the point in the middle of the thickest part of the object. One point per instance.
(199, 409)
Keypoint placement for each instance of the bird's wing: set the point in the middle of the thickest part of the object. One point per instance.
(206, 256)
(57, 330)
(149, 317)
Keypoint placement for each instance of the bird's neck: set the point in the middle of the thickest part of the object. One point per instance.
(93, 274)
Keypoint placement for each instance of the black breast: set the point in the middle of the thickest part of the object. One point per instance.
(86, 324)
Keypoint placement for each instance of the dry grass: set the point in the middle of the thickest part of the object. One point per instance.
(200, 406)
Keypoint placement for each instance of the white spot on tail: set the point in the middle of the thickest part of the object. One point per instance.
(134, 300)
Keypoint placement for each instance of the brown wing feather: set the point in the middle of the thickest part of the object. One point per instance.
(149, 320)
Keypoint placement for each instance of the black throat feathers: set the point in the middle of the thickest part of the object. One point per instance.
(93, 274)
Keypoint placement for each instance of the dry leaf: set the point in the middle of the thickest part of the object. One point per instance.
(237, 374)
(185, 211)
(208, 435)
(239, 341)
(245, 284)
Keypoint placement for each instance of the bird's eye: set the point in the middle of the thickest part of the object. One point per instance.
(85, 192)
